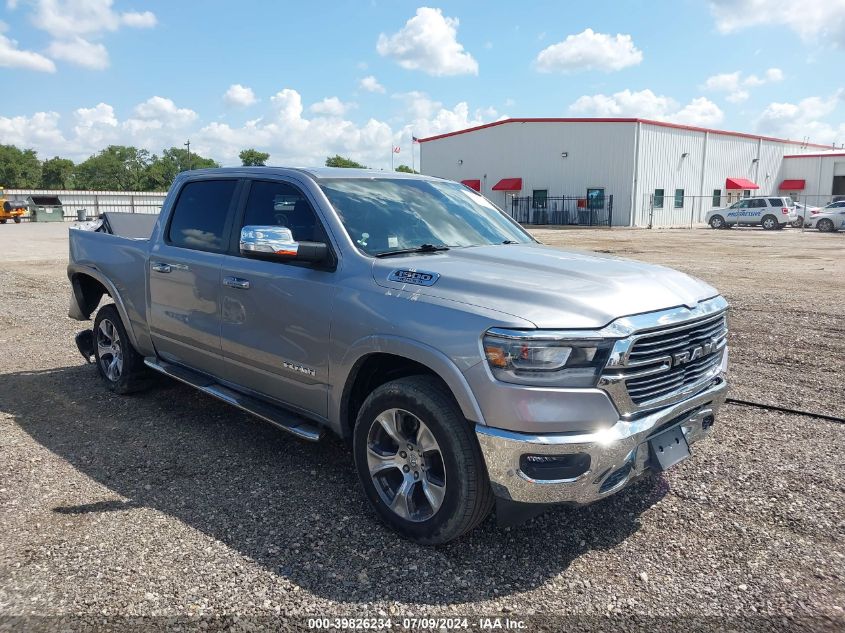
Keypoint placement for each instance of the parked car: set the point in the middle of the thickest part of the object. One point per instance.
(769, 212)
(464, 362)
(802, 214)
(828, 219)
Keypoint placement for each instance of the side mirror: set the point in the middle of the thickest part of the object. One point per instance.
(276, 243)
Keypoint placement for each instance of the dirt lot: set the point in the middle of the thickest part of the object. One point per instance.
(172, 504)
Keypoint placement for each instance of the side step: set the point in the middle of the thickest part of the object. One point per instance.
(277, 416)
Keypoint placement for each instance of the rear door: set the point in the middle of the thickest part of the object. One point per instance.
(276, 316)
(757, 208)
(185, 275)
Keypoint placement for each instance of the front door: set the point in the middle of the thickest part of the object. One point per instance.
(185, 268)
(276, 316)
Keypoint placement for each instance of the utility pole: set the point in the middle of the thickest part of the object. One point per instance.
(188, 145)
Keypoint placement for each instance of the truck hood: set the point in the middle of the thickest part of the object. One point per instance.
(549, 287)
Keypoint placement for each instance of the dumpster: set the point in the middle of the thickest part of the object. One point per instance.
(47, 209)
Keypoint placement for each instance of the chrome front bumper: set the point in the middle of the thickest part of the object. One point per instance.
(619, 450)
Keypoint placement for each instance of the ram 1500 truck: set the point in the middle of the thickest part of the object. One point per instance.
(465, 363)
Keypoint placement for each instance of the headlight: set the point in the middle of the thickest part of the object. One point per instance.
(527, 358)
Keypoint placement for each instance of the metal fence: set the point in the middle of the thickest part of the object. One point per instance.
(92, 203)
(562, 210)
(689, 211)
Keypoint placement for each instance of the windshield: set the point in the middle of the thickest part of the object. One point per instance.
(391, 214)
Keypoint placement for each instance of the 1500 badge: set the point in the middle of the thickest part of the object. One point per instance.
(411, 276)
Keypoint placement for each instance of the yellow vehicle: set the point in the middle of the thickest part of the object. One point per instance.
(11, 210)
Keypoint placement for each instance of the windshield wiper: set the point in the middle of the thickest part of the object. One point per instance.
(510, 242)
(422, 248)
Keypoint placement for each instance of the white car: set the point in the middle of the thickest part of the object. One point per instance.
(803, 212)
(829, 219)
(768, 212)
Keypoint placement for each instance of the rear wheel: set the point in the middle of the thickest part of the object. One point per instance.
(17, 220)
(717, 222)
(120, 366)
(798, 223)
(419, 461)
(769, 223)
(825, 225)
(3, 220)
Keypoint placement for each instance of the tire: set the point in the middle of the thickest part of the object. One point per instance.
(452, 493)
(120, 366)
(798, 223)
(825, 225)
(717, 222)
(17, 220)
(769, 223)
(3, 220)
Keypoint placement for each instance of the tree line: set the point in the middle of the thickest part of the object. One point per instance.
(119, 168)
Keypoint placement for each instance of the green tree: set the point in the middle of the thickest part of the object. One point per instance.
(406, 170)
(339, 161)
(19, 169)
(57, 173)
(118, 167)
(162, 170)
(253, 158)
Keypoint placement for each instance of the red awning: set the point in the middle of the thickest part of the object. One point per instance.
(472, 184)
(739, 183)
(508, 184)
(792, 185)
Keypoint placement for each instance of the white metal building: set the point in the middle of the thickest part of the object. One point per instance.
(660, 173)
(814, 177)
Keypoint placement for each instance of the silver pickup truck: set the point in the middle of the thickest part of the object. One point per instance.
(466, 364)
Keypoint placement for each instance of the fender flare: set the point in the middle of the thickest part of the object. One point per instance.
(413, 350)
(76, 312)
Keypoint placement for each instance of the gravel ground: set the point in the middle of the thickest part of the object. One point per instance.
(170, 504)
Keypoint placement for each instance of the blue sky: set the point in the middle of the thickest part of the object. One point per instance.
(303, 80)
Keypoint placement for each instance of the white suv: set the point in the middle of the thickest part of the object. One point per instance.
(770, 213)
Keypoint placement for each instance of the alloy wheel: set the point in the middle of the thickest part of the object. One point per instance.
(406, 465)
(109, 350)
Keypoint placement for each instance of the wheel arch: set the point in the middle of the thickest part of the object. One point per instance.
(88, 288)
(377, 360)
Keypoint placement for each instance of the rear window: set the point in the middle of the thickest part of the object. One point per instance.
(199, 218)
(778, 202)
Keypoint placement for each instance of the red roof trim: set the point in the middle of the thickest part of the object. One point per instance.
(508, 184)
(676, 126)
(472, 184)
(740, 183)
(815, 155)
(792, 185)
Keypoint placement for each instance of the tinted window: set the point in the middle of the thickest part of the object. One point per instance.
(658, 198)
(540, 196)
(679, 198)
(777, 202)
(717, 197)
(281, 204)
(756, 204)
(199, 219)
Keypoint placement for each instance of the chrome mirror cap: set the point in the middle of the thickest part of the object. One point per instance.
(268, 240)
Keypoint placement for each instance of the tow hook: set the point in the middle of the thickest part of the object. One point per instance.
(85, 344)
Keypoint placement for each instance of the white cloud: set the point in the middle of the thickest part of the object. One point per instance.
(735, 83)
(13, 57)
(589, 50)
(283, 129)
(330, 106)
(81, 52)
(239, 96)
(428, 42)
(73, 24)
(803, 119)
(370, 84)
(812, 20)
(648, 105)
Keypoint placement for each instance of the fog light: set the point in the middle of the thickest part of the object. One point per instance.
(553, 467)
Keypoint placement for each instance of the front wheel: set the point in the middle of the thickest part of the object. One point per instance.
(17, 220)
(419, 461)
(770, 223)
(825, 226)
(798, 223)
(717, 222)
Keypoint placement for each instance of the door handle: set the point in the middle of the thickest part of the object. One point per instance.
(161, 267)
(236, 282)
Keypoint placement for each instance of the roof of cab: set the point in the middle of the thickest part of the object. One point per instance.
(315, 173)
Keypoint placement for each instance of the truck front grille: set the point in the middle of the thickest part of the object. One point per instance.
(657, 365)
